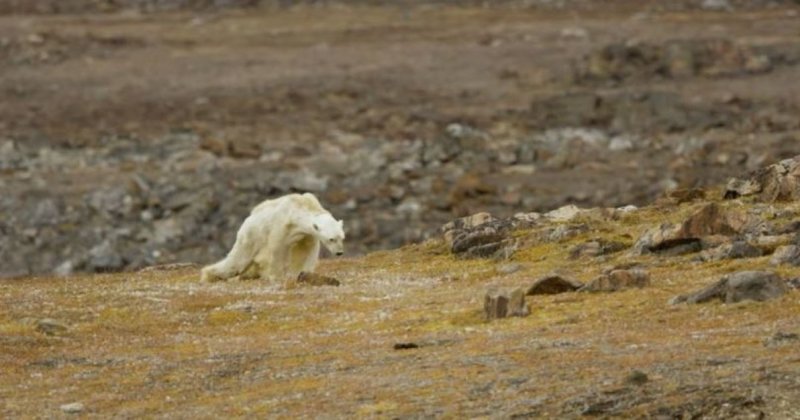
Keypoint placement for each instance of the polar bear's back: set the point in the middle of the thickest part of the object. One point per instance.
(307, 202)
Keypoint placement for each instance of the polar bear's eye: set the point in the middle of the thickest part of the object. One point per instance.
(316, 227)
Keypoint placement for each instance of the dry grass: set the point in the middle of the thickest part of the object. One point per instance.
(150, 344)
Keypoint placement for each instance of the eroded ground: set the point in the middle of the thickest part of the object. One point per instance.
(160, 343)
(130, 139)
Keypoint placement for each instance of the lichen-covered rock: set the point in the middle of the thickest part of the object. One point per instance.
(553, 284)
(50, 326)
(778, 182)
(616, 280)
(503, 304)
(736, 287)
(710, 220)
(563, 214)
(787, 254)
(481, 236)
(596, 248)
(450, 229)
(733, 250)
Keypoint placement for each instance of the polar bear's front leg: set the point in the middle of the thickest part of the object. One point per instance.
(275, 271)
(311, 260)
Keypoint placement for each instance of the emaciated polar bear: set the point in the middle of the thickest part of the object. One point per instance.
(279, 239)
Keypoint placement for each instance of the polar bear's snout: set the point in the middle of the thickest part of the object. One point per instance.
(335, 246)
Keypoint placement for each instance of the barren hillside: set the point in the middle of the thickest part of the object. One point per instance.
(130, 138)
(405, 335)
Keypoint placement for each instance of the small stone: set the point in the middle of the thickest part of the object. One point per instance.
(313, 279)
(406, 346)
(104, 257)
(618, 280)
(574, 32)
(215, 146)
(780, 338)
(245, 149)
(553, 284)
(596, 248)
(64, 269)
(503, 304)
(637, 378)
(509, 268)
(72, 408)
(50, 326)
(563, 214)
(716, 5)
(735, 250)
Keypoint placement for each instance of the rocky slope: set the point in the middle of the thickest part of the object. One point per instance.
(686, 308)
(130, 139)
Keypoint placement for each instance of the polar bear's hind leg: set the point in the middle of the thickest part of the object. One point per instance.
(237, 260)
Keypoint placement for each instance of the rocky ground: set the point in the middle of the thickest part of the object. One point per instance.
(686, 308)
(130, 138)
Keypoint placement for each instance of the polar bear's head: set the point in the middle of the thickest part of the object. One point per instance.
(330, 233)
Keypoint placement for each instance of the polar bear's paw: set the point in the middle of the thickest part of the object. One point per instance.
(208, 274)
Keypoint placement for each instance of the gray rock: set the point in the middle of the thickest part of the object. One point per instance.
(787, 254)
(73, 408)
(710, 220)
(596, 248)
(503, 304)
(553, 284)
(778, 182)
(65, 268)
(479, 236)
(781, 338)
(734, 250)
(110, 201)
(563, 214)
(564, 232)
(619, 279)
(736, 287)
(50, 326)
(104, 257)
(509, 268)
(717, 5)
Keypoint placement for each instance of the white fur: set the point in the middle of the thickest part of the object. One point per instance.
(279, 239)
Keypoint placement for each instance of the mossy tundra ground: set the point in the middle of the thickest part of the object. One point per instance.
(160, 343)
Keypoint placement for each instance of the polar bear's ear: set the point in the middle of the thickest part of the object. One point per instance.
(341, 223)
(316, 227)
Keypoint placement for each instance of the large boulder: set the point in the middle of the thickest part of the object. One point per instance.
(505, 303)
(553, 284)
(482, 236)
(787, 254)
(616, 280)
(736, 287)
(730, 251)
(778, 182)
(709, 221)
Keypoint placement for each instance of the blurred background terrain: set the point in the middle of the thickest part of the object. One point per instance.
(139, 132)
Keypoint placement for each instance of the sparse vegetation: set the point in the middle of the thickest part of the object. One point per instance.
(145, 343)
